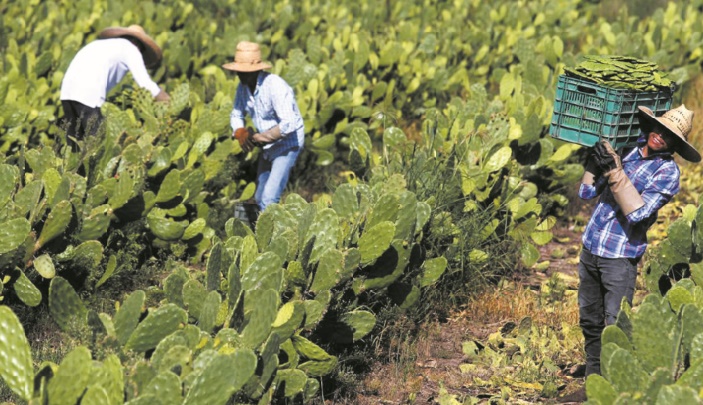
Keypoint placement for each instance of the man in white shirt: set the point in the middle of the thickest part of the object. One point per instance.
(271, 104)
(97, 68)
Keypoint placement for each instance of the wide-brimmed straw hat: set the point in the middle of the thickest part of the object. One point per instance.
(247, 58)
(678, 122)
(151, 51)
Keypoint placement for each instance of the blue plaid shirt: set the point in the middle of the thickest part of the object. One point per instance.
(273, 103)
(611, 234)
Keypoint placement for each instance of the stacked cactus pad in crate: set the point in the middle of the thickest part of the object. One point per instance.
(598, 99)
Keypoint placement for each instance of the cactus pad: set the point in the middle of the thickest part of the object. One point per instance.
(218, 380)
(45, 266)
(56, 222)
(260, 307)
(315, 368)
(156, 326)
(208, 313)
(13, 233)
(329, 270)
(71, 378)
(15, 357)
(127, 317)
(65, 305)
(375, 241)
(166, 386)
(26, 290)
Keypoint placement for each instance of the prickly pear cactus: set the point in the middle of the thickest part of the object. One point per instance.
(265, 272)
(44, 266)
(95, 224)
(165, 228)
(194, 295)
(95, 394)
(214, 267)
(289, 318)
(127, 316)
(375, 241)
(26, 290)
(71, 379)
(432, 270)
(166, 386)
(293, 382)
(56, 223)
(209, 311)
(109, 375)
(361, 322)
(13, 233)
(324, 231)
(329, 270)
(261, 308)
(221, 377)
(156, 326)
(65, 305)
(385, 209)
(385, 270)
(173, 287)
(16, 368)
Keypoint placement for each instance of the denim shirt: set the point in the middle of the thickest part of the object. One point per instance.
(610, 233)
(273, 103)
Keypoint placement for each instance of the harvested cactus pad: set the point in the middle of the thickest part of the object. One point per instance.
(621, 72)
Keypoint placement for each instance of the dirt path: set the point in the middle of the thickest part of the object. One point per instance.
(433, 363)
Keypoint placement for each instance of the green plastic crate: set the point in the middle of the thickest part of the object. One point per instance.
(585, 112)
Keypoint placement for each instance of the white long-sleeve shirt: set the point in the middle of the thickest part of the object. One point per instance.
(100, 66)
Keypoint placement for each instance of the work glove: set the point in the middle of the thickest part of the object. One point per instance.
(244, 136)
(272, 135)
(603, 157)
(591, 168)
(624, 192)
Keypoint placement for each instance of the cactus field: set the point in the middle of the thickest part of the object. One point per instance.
(429, 194)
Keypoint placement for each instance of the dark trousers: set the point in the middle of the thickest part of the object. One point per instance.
(80, 121)
(603, 284)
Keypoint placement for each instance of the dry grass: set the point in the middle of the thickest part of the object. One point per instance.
(516, 302)
(432, 361)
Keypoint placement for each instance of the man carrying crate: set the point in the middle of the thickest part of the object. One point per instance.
(632, 189)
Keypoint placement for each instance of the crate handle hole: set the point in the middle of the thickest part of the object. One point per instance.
(583, 89)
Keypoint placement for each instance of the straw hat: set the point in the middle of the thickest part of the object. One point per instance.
(247, 58)
(678, 122)
(151, 53)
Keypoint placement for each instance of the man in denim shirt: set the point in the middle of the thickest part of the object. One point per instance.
(632, 190)
(271, 104)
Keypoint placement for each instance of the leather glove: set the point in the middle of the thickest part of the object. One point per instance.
(606, 160)
(591, 168)
(244, 136)
(624, 192)
(272, 135)
(162, 96)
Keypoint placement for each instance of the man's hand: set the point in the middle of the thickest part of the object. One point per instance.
(244, 136)
(272, 135)
(162, 96)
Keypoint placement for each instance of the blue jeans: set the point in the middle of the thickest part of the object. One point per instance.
(272, 176)
(603, 284)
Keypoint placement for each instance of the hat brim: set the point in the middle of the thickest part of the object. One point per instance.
(152, 52)
(683, 148)
(246, 67)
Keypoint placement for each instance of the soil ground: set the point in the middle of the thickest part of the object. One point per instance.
(434, 362)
